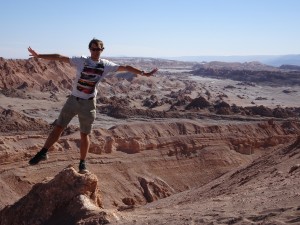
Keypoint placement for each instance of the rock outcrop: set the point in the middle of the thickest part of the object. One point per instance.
(68, 198)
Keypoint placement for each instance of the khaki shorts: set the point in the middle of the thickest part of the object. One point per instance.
(85, 109)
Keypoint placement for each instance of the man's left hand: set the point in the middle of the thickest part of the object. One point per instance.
(151, 72)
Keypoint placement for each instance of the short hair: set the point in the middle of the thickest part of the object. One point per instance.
(97, 42)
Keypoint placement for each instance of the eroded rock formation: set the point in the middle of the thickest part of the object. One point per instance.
(68, 198)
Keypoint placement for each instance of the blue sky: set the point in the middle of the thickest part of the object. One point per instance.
(151, 28)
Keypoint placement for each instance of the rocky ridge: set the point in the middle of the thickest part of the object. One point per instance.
(28, 74)
(255, 72)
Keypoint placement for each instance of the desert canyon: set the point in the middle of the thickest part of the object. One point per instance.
(198, 143)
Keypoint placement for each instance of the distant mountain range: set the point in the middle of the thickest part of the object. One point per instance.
(272, 60)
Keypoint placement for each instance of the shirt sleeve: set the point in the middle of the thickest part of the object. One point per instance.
(110, 67)
(77, 61)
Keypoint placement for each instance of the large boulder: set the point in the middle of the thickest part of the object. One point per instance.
(68, 198)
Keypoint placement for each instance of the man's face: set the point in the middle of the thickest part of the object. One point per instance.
(95, 51)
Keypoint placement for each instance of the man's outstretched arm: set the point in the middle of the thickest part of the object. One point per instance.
(49, 56)
(136, 71)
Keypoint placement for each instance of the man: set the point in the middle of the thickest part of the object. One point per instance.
(82, 102)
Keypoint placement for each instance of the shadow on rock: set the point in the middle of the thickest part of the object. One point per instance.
(69, 198)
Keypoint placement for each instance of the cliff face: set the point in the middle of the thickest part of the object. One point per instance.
(265, 191)
(276, 78)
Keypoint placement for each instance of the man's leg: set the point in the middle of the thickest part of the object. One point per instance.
(86, 118)
(68, 111)
(84, 145)
(52, 138)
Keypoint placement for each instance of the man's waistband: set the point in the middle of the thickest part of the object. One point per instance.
(77, 98)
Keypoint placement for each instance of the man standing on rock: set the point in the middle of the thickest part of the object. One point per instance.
(82, 102)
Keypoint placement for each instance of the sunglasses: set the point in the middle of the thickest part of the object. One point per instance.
(96, 49)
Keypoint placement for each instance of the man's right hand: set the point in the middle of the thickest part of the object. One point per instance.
(49, 56)
(33, 53)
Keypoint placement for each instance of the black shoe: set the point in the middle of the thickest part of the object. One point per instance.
(40, 156)
(82, 167)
